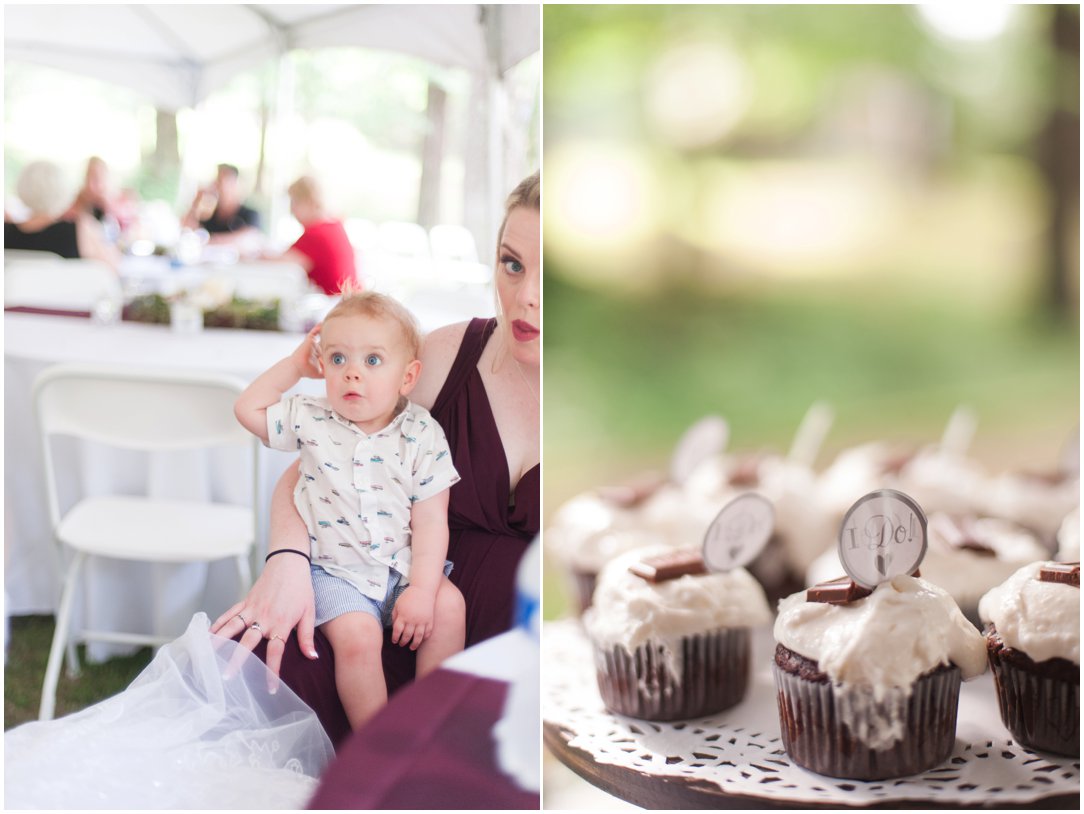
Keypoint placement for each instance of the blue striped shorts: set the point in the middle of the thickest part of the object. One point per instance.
(336, 596)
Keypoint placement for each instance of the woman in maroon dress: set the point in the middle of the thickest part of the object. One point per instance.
(480, 380)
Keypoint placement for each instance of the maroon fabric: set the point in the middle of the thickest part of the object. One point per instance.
(487, 534)
(431, 747)
(50, 312)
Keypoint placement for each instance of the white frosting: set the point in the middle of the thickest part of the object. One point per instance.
(967, 575)
(1069, 537)
(943, 481)
(905, 628)
(854, 473)
(1032, 502)
(590, 530)
(630, 611)
(1042, 619)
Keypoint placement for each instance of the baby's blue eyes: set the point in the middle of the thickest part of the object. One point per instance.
(372, 360)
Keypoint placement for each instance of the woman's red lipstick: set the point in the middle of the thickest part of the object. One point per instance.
(524, 331)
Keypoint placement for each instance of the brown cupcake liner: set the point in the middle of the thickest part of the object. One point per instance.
(1041, 711)
(584, 584)
(816, 737)
(714, 675)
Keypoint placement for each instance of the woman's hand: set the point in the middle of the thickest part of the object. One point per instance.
(306, 357)
(280, 600)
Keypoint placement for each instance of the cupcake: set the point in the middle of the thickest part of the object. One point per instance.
(801, 529)
(1038, 502)
(1033, 643)
(594, 528)
(868, 681)
(672, 640)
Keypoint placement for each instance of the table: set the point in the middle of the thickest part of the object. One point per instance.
(432, 746)
(117, 590)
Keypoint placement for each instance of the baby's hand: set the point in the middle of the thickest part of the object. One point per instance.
(307, 355)
(412, 618)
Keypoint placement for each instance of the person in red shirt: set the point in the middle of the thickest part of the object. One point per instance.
(323, 249)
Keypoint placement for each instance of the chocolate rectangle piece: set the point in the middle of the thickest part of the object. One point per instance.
(1067, 572)
(836, 591)
(669, 566)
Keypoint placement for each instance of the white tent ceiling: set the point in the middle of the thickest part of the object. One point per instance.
(177, 54)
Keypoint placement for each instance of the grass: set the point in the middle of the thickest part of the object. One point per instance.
(626, 373)
(28, 652)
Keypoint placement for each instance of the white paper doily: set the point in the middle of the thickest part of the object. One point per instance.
(739, 750)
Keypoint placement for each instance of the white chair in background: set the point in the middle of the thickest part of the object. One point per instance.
(449, 242)
(364, 235)
(138, 410)
(67, 285)
(263, 281)
(404, 239)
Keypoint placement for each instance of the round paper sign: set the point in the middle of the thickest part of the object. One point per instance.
(738, 532)
(705, 438)
(882, 536)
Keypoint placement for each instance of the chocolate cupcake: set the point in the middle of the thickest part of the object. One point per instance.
(868, 681)
(671, 640)
(595, 527)
(1033, 644)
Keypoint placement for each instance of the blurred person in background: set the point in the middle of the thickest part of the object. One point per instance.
(219, 209)
(48, 226)
(323, 249)
(99, 199)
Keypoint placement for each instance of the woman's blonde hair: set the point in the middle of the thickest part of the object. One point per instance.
(528, 193)
(44, 189)
(356, 302)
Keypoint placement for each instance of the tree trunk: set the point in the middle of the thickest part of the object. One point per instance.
(432, 157)
(1059, 158)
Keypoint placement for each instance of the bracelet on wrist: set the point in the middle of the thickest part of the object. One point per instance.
(288, 551)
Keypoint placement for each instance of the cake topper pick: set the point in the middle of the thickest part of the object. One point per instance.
(739, 532)
(707, 437)
(883, 535)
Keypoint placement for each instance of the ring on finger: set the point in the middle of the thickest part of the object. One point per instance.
(243, 619)
(256, 626)
(277, 636)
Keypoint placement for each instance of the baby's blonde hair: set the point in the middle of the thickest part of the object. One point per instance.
(356, 302)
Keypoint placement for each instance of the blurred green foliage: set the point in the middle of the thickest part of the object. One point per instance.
(797, 54)
(940, 312)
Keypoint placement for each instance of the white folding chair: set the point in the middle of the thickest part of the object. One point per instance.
(404, 239)
(138, 410)
(70, 285)
(450, 242)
